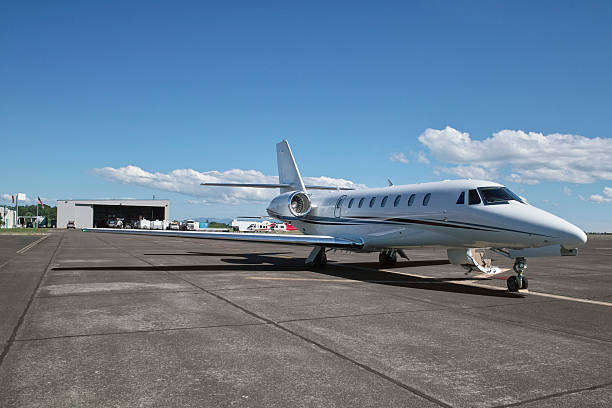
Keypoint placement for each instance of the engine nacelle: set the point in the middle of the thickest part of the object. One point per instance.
(292, 204)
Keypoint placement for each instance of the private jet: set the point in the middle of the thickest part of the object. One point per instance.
(466, 217)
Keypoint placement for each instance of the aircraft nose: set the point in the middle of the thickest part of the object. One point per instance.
(572, 236)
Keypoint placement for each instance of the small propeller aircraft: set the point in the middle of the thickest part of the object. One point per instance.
(464, 216)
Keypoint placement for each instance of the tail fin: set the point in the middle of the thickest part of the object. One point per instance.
(288, 172)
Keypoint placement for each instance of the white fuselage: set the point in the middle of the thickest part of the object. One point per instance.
(385, 221)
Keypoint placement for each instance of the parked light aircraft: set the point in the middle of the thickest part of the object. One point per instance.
(464, 216)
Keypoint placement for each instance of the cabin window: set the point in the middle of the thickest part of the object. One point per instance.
(372, 202)
(411, 200)
(361, 200)
(460, 200)
(384, 201)
(351, 202)
(397, 200)
(474, 197)
(426, 198)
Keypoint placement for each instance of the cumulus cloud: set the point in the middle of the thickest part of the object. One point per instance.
(399, 157)
(187, 181)
(597, 198)
(422, 157)
(605, 198)
(473, 172)
(531, 157)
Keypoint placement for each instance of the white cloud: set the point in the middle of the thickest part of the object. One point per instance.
(422, 157)
(187, 181)
(531, 157)
(605, 198)
(567, 191)
(399, 157)
(473, 172)
(8, 198)
(596, 198)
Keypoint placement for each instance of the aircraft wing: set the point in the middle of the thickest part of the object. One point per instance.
(290, 239)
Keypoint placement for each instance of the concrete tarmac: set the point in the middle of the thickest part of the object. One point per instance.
(94, 320)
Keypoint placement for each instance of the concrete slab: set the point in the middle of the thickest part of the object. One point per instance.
(250, 366)
(464, 361)
(116, 313)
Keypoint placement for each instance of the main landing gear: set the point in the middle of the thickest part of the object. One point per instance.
(519, 281)
(317, 258)
(387, 258)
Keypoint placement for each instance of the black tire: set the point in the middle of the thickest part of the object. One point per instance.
(525, 284)
(512, 283)
(385, 260)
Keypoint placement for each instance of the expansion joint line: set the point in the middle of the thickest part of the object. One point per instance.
(295, 334)
(11, 339)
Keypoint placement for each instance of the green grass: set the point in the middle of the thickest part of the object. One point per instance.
(24, 231)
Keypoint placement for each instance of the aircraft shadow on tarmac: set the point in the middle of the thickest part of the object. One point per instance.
(363, 271)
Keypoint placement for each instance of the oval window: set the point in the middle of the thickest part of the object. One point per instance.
(397, 200)
(372, 202)
(411, 200)
(361, 202)
(384, 201)
(426, 198)
(351, 202)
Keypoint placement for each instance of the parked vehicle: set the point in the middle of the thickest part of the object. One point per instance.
(70, 225)
(174, 225)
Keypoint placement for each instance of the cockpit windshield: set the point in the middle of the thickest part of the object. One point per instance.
(498, 195)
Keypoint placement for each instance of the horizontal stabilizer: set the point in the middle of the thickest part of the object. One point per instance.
(252, 185)
(287, 186)
(289, 239)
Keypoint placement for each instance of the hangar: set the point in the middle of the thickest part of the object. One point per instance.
(92, 213)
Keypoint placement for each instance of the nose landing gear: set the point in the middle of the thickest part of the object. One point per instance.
(519, 281)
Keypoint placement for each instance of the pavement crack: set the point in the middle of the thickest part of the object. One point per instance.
(170, 329)
(11, 339)
(555, 395)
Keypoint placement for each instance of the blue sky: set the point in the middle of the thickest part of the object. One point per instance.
(88, 89)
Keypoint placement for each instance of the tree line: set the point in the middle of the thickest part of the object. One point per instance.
(46, 211)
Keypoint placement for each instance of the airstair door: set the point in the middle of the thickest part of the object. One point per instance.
(338, 207)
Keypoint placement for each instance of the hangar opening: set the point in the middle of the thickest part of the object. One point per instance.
(129, 213)
(97, 213)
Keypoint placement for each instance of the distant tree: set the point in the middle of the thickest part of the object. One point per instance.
(46, 211)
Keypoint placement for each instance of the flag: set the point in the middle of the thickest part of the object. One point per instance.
(40, 202)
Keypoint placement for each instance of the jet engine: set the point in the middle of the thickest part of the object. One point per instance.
(292, 204)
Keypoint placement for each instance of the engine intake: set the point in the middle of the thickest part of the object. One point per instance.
(299, 204)
(292, 204)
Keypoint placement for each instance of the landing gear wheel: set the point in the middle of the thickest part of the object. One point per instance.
(513, 284)
(525, 283)
(387, 258)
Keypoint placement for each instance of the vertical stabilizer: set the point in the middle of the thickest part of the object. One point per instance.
(288, 172)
